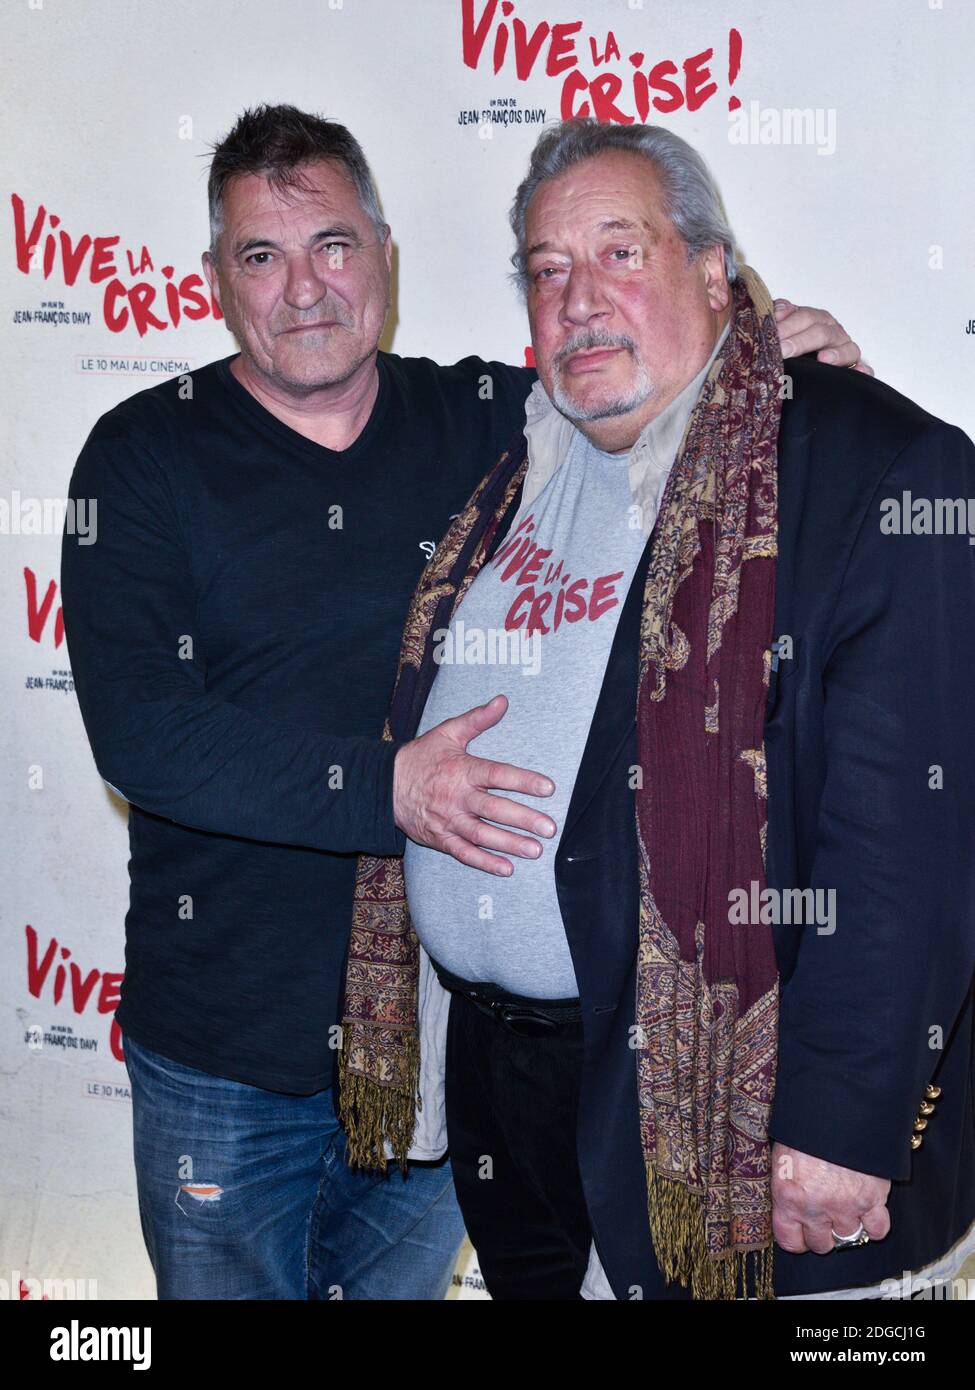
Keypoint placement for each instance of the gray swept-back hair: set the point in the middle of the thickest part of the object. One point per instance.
(693, 201)
(277, 141)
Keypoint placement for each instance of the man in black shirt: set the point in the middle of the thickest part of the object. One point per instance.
(233, 637)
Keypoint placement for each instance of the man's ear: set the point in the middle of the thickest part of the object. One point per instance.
(715, 277)
(212, 279)
(388, 246)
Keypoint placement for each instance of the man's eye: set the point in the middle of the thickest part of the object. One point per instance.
(622, 252)
(546, 271)
(336, 246)
(254, 258)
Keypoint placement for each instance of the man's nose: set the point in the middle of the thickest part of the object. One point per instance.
(304, 284)
(583, 298)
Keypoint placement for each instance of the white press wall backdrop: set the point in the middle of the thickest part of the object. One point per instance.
(110, 106)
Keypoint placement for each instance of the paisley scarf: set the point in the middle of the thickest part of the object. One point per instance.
(707, 989)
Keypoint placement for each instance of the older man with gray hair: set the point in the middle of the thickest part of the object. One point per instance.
(742, 682)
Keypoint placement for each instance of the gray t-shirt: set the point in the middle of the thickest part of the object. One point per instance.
(536, 625)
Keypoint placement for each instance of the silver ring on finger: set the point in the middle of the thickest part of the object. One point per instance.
(859, 1237)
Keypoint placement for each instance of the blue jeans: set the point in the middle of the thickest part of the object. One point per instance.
(246, 1193)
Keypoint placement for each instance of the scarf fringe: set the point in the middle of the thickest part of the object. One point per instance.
(371, 1113)
(680, 1245)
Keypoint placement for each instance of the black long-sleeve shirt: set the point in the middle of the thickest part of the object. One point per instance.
(233, 634)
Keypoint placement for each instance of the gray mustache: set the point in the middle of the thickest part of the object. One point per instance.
(342, 319)
(594, 338)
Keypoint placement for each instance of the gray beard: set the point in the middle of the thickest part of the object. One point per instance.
(622, 405)
(642, 390)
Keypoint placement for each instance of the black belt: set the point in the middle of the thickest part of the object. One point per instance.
(531, 1018)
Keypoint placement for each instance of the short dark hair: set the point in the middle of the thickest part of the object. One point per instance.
(277, 141)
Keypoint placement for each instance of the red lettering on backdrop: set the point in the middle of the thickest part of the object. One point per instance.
(573, 599)
(37, 614)
(696, 75)
(605, 89)
(82, 990)
(689, 83)
(137, 303)
(562, 51)
(526, 49)
(658, 81)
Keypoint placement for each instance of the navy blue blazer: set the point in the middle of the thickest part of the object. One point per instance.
(875, 696)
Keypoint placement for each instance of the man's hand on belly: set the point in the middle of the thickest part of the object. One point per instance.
(441, 797)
